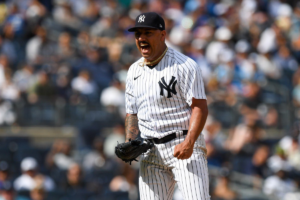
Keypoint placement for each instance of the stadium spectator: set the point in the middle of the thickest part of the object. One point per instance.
(214, 49)
(25, 78)
(37, 193)
(198, 54)
(126, 182)
(117, 135)
(39, 49)
(4, 173)
(104, 28)
(259, 161)
(7, 113)
(31, 178)
(225, 69)
(4, 65)
(14, 25)
(63, 83)
(74, 179)
(293, 154)
(85, 85)
(252, 99)
(279, 161)
(215, 139)
(43, 90)
(245, 133)
(9, 91)
(7, 192)
(222, 189)
(63, 14)
(60, 155)
(8, 49)
(95, 62)
(243, 143)
(83, 41)
(248, 70)
(96, 159)
(65, 52)
(285, 61)
(278, 185)
(35, 12)
(91, 12)
(113, 97)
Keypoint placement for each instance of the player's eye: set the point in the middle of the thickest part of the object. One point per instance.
(137, 35)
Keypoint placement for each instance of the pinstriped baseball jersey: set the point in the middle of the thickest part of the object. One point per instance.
(161, 97)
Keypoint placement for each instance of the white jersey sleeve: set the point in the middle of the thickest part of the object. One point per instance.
(191, 81)
(130, 99)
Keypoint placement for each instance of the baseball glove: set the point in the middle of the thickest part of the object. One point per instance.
(129, 151)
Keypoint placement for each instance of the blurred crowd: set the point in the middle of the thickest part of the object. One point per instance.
(61, 172)
(77, 52)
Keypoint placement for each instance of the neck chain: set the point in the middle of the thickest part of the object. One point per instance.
(155, 61)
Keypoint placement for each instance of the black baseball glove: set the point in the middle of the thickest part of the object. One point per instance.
(129, 151)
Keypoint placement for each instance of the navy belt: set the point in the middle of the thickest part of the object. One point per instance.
(167, 138)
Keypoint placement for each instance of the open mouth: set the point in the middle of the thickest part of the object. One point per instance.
(145, 47)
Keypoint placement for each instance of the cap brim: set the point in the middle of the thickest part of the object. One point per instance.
(142, 26)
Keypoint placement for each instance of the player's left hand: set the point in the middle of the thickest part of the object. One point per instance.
(183, 150)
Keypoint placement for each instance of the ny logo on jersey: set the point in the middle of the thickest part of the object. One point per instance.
(141, 19)
(170, 88)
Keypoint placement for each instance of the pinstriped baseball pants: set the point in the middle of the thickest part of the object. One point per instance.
(160, 170)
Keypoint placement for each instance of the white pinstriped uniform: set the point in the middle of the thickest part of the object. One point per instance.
(161, 97)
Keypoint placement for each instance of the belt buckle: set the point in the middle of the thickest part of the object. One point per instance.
(177, 134)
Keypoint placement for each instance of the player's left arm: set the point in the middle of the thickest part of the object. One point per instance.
(184, 150)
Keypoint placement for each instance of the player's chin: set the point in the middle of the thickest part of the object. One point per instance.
(146, 55)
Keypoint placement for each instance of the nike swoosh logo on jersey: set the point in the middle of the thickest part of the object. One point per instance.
(136, 77)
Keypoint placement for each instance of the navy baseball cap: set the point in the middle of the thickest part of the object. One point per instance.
(148, 20)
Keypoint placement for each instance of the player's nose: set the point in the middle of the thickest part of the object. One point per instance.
(142, 37)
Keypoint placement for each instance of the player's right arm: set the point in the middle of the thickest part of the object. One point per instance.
(131, 120)
(131, 127)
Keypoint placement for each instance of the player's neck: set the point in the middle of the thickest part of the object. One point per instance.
(158, 58)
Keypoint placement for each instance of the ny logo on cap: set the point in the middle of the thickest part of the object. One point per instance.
(141, 19)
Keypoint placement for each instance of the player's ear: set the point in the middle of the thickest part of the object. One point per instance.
(163, 35)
